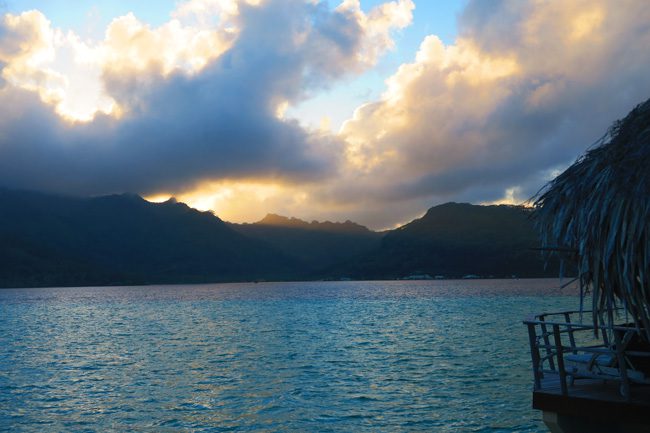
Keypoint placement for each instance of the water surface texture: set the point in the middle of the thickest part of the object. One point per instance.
(437, 356)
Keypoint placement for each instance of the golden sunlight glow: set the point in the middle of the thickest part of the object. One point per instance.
(281, 109)
(441, 73)
(511, 197)
(241, 201)
(325, 124)
(476, 68)
(587, 23)
(158, 198)
(132, 46)
(462, 62)
(61, 69)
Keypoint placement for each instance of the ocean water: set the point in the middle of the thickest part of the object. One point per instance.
(396, 356)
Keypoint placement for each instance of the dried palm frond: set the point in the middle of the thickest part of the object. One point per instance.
(600, 206)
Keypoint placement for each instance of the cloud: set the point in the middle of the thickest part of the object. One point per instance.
(191, 101)
(526, 87)
(27, 43)
(194, 107)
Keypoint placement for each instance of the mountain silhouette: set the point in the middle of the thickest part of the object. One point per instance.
(316, 245)
(455, 240)
(123, 239)
(53, 240)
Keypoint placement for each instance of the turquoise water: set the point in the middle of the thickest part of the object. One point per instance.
(439, 356)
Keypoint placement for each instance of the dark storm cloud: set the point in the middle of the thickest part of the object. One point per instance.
(181, 129)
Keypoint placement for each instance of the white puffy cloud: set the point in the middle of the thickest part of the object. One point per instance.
(67, 72)
(377, 25)
(27, 47)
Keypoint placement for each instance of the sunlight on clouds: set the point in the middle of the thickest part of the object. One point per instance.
(587, 23)
(183, 124)
(377, 25)
(573, 21)
(241, 201)
(281, 109)
(27, 39)
(250, 200)
(82, 92)
(63, 70)
(79, 77)
(512, 196)
(325, 124)
(26, 49)
(132, 47)
(461, 63)
(521, 91)
(440, 75)
(68, 72)
(474, 68)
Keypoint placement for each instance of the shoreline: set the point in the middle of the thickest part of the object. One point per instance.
(555, 280)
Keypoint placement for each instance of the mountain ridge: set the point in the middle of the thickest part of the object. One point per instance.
(48, 239)
(124, 239)
(276, 220)
(458, 239)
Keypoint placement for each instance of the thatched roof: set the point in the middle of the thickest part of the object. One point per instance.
(599, 208)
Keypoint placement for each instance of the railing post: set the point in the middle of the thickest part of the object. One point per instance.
(547, 343)
(534, 354)
(622, 367)
(560, 359)
(572, 340)
(605, 336)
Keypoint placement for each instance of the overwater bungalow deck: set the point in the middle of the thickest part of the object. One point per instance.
(595, 378)
(592, 406)
(589, 383)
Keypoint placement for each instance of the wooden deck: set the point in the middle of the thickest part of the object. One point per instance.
(592, 398)
(587, 381)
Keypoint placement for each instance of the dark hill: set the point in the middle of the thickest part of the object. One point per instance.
(316, 245)
(49, 240)
(455, 240)
(123, 239)
(326, 226)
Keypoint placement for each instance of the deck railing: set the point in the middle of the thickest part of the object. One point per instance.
(563, 346)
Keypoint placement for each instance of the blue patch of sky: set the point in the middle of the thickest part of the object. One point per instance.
(89, 18)
(338, 102)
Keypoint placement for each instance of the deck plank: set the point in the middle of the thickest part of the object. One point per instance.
(593, 398)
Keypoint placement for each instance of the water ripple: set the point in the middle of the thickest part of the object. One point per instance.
(327, 357)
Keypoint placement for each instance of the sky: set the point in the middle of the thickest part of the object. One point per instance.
(371, 111)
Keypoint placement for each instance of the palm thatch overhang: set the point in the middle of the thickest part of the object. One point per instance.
(598, 210)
